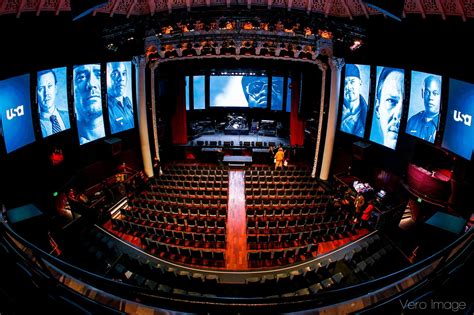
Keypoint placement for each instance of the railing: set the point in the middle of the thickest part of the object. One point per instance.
(100, 293)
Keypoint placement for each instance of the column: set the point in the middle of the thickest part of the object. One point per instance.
(323, 67)
(153, 67)
(140, 66)
(336, 65)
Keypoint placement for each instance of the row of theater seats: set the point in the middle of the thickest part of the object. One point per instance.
(212, 256)
(266, 171)
(280, 179)
(216, 226)
(282, 238)
(263, 210)
(191, 181)
(193, 211)
(279, 185)
(280, 256)
(185, 188)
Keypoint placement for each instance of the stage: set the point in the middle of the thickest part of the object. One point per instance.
(250, 140)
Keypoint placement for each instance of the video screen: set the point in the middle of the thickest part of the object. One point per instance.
(277, 93)
(88, 102)
(458, 134)
(199, 92)
(119, 96)
(288, 96)
(188, 86)
(388, 106)
(239, 91)
(425, 102)
(15, 104)
(354, 101)
(51, 98)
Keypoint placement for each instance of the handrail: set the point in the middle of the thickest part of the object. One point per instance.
(401, 279)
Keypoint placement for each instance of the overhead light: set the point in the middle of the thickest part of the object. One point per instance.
(356, 45)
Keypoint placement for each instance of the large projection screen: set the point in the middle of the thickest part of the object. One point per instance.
(458, 134)
(388, 106)
(88, 102)
(119, 96)
(51, 98)
(355, 99)
(15, 104)
(424, 109)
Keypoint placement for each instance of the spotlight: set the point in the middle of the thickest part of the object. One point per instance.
(356, 45)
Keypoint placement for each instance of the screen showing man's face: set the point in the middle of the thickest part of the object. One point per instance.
(46, 90)
(390, 107)
(432, 96)
(257, 92)
(277, 93)
(351, 89)
(87, 91)
(118, 77)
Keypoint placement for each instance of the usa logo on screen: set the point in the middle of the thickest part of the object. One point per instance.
(15, 112)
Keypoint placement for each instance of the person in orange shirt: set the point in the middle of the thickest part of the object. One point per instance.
(279, 157)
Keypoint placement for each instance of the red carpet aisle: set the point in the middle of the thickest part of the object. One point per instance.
(236, 252)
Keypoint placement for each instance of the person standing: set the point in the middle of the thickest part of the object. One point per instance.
(279, 157)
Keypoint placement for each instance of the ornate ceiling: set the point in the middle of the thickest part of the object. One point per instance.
(464, 9)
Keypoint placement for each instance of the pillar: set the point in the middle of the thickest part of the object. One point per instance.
(323, 67)
(336, 65)
(140, 66)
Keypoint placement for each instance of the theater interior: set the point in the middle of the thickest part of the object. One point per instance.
(185, 212)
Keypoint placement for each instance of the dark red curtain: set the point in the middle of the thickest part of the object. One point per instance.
(179, 131)
(296, 123)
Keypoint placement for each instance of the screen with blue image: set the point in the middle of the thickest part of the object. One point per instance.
(355, 99)
(458, 134)
(88, 102)
(388, 106)
(119, 96)
(51, 98)
(288, 96)
(239, 91)
(277, 93)
(15, 105)
(188, 107)
(199, 92)
(425, 103)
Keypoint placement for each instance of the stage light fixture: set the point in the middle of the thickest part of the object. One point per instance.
(356, 44)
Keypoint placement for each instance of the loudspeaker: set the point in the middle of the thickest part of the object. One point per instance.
(246, 143)
(214, 143)
(360, 150)
(199, 142)
(226, 143)
(80, 8)
(259, 144)
(391, 8)
(114, 145)
(271, 143)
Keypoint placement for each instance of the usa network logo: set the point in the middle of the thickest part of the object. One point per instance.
(15, 112)
(464, 118)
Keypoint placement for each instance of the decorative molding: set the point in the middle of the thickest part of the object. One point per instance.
(139, 61)
(336, 64)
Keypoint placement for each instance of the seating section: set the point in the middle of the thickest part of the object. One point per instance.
(181, 215)
(287, 216)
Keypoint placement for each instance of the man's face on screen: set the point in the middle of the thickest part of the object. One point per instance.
(257, 92)
(118, 77)
(46, 91)
(87, 91)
